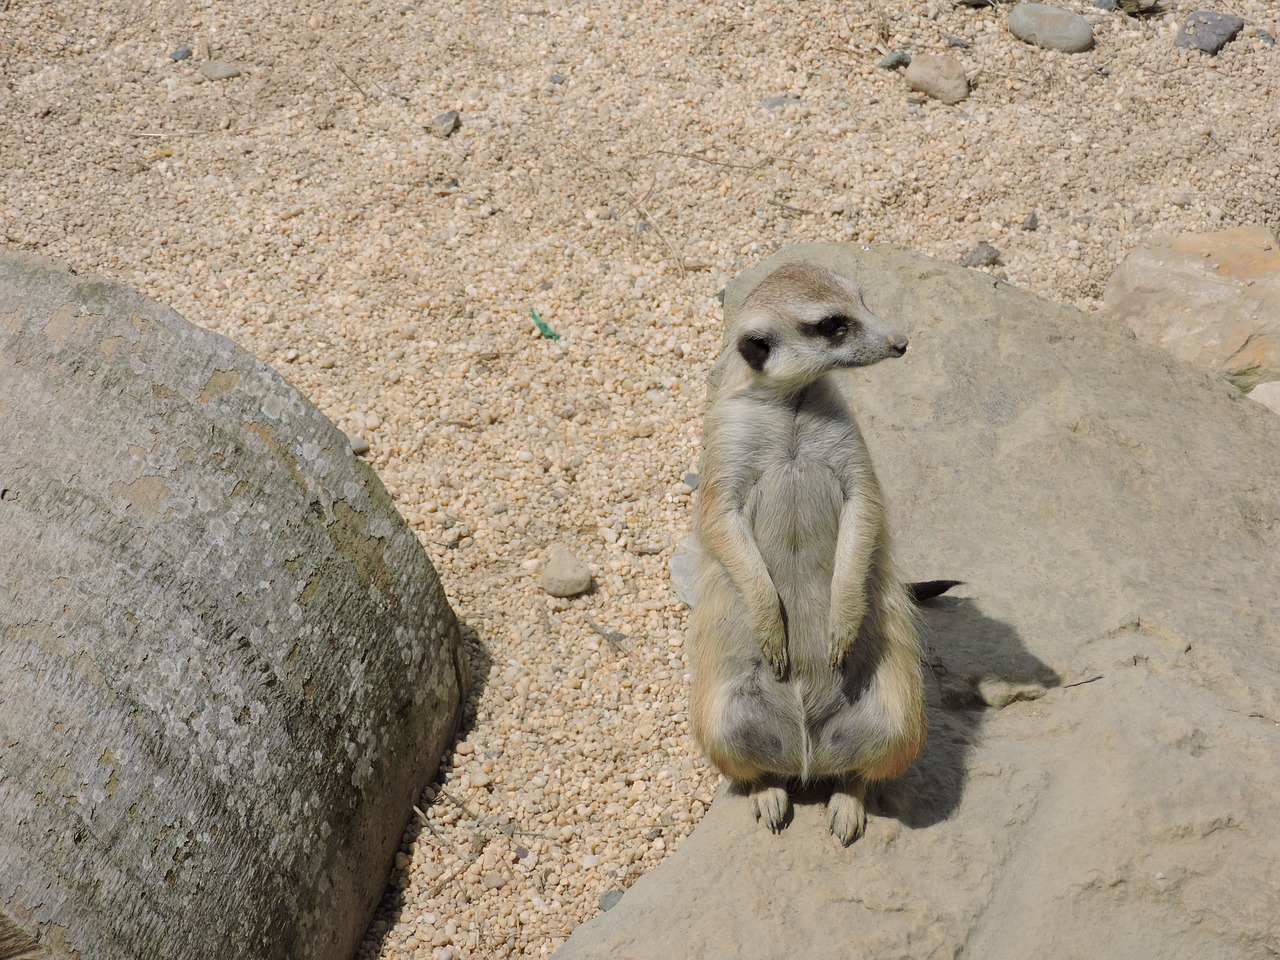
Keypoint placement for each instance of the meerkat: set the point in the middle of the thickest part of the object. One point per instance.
(804, 647)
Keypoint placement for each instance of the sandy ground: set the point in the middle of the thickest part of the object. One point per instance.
(615, 165)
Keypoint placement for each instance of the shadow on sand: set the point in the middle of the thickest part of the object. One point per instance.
(390, 910)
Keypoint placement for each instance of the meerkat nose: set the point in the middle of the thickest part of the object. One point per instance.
(899, 347)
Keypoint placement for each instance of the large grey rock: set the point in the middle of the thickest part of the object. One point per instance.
(1115, 514)
(226, 666)
(1212, 299)
(1050, 27)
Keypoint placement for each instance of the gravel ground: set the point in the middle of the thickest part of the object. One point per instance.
(615, 165)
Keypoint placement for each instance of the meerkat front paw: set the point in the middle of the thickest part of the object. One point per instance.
(772, 635)
(770, 804)
(847, 815)
(841, 642)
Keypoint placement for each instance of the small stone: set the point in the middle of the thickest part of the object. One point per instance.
(465, 749)
(480, 779)
(998, 694)
(495, 880)
(1107, 5)
(683, 567)
(559, 78)
(1266, 38)
(895, 60)
(359, 445)
(444, 124)
(940, 77)
(960, 42)
(777, 103)
(983, 255)
(565, 575)
(217, 70)
(1267, 394)
(1050, 27)
(610, 899)
(182, 53)
(1208, 31)
(590, 861)
(977, 4)
(1032, 223)
(690, 480)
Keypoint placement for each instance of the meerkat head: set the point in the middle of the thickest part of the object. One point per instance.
(804, 321)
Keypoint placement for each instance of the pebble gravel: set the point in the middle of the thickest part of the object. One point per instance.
(609, 169)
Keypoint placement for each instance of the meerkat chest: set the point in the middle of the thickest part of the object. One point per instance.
(806, 439)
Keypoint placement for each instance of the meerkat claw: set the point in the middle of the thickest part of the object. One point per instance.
(770, 804)
(846, 816)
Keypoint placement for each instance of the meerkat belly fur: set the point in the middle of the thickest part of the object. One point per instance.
(804, 646)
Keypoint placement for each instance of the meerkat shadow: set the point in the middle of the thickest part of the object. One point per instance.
(972, 660)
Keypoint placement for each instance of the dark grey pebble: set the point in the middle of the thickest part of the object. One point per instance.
(777, 103)
(690, 480)
(1107, 5)
(977, 4)
(983, 255)
(559, 78)
(1208, 31)
(443, 124)
(1266, 38)
(960, 42)
(720, 296)
(894, 60)
(181, 53)
(610, 899)
(1032, 222)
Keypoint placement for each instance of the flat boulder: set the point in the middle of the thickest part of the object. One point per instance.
(1104, 689)
(1212, 299)
(227, 667)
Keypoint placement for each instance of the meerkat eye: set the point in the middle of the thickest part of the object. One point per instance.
(836, 325)
(755, 350)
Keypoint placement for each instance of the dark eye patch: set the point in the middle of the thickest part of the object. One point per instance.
(835, 325)
(755, 350)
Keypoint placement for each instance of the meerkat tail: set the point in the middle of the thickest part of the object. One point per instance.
(928, 589)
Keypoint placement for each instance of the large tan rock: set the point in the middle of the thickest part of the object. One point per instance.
(227, 667)
(1212, 299)
(1100, 779)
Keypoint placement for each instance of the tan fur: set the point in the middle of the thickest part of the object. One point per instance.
(804, 646)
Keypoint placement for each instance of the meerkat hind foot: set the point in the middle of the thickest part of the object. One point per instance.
(770, 804)
(847, 812)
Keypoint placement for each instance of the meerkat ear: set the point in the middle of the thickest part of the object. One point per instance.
(755, 350)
